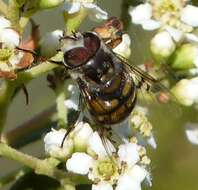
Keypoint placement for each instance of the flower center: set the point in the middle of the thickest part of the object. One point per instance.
(168, 12)
(106, 169)
(165, 9)
(5, 54)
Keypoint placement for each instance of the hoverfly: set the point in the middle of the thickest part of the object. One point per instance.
(106, 81)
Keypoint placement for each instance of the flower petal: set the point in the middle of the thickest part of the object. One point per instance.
(150, 24)
(123, 48)
(16, 58)
(53, 141)
(82, 132)
(192, 132)
(129, 153)
(9, 37)
(96, 145)
(189, 15)
(125, 182)
(138, 173)
(95, 12)
(4, 23)
(79, 163)
(140, 13)
(192, 38)
(176, 34)
(72, 8)
(102, 186)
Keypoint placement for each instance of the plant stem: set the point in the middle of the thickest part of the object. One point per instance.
(61, 109)
(6, 92)
(73, 21)
(42, 167)
(3, 7)
(28, 75)
(13, 13)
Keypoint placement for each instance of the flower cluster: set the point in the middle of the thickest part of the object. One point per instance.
(174, 43)
(9, 56)
(15, 53)
(108, 166)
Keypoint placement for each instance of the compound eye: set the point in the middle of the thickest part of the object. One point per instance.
(76, 57)
(91, 42)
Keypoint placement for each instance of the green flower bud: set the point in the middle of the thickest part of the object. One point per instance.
(162, 46)
(48, 4)
(185, 57)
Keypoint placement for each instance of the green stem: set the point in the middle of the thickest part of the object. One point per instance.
(13, 13)
(61, 109)
(3, 7)
(6, 92)
(28, 75)
(43, 167)
(73, 21)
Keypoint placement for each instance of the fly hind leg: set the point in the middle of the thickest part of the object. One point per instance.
(72, 125)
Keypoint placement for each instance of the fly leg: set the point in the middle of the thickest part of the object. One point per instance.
(72, 125)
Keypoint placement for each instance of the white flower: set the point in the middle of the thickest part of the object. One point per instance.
(123, 48)
(102, 186)
(131, 180)
(162, 46)
(192, 132)
(50, 43)
(189, 15)
(166, 14)
(186, 91)
(53, 141)
(81, 133)
(73, 101)
(142, 15)
(4, 23)
(9, 37)
(79, 163)
(126, 151)
(96, 146)
(94, 12)
(119, 170)
(125, 183)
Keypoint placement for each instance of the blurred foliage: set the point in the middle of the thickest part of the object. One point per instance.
(31, 181)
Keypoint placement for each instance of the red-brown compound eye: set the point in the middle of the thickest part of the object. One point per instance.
(76, 57)
(91, 42)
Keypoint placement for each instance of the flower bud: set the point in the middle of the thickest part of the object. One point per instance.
(162, 46)
(48, 4)
(9, 37)
(81, 133)
(186, 91)
(185, 57)
(50, 43)
(53, 141)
